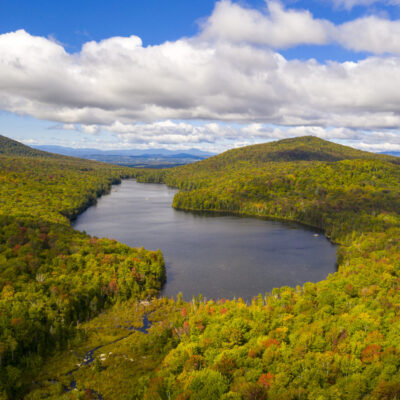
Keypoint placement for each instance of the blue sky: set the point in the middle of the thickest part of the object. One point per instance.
(200, 73)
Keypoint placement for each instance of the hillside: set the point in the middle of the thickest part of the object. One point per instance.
(332, 340)
(302, 151)
(305, 148)
(52, 277)
(335, 339)
(12, 147)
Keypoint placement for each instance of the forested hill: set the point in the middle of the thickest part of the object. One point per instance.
(335, 339)
(12, 147)
(306, 148)
(51, 276)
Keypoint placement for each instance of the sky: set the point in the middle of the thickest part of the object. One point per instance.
(200, 74)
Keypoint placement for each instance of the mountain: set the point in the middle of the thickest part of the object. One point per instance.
(12, 147)
(86, 152)
(150, 158)
(345, 320)
(305, 148)
(392, 153)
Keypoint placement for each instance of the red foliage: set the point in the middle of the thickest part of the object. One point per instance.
(210, 310)
(270, 342)
(371, 353)
(186, 327)
(113, 286)
(266, 380)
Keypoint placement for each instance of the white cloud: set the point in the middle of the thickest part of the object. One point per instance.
(90, 129)
(373, 34)
(213, 136)
(66, 127)
(282, 28)
(118, 80)
(29, 142)
(278, 28)
(226, 73)
(172, 133)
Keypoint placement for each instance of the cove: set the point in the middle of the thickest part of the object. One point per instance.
(219, 256)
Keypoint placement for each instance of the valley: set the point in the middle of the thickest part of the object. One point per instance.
(64, 293)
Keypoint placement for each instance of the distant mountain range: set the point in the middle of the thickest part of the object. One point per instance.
(152, 158)
(391, 153)
(69, 151)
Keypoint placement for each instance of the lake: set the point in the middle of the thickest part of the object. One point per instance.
(215, 255)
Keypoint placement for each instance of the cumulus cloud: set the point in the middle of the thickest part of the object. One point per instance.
(373, 34)
(172, 133)
(230, 71)
(281, 28)
(90, 129)
(119, 80)
(277, 28)
(214, 136)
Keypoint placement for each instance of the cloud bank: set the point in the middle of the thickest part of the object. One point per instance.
(230, 72)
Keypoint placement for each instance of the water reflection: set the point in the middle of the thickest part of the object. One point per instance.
(218, 256)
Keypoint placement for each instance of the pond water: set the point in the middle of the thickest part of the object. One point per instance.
(215, 255)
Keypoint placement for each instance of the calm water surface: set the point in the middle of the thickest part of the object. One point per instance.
(217, 256)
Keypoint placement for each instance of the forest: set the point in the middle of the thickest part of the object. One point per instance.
(52, 277)
(67, 297)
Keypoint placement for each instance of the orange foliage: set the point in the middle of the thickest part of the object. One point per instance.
(266, 380)
(371, 353)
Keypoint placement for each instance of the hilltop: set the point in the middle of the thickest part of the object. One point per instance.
(12, 147)
(305, 148)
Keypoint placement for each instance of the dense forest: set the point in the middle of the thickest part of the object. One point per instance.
(336, 339)
(52, 278)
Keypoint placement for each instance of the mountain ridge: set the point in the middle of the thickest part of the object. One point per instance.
(70, 151)
(304, 148)
(12, 147)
